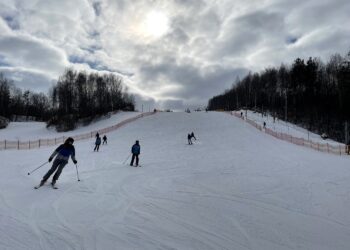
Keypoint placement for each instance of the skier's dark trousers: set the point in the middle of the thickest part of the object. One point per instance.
(135, 150)
(63, 152)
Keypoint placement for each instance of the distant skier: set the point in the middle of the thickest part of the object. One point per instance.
(264, 124)
(97, 135)
(192, 136)
(97, 143)
(104, 139)
(63, 152)
(135, 150)
(189, 139)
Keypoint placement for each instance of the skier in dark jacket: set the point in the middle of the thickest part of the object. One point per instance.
(189, 139)
(97, 143)
(62, 153)
(104, 139)
(192, 136)
(135, 150)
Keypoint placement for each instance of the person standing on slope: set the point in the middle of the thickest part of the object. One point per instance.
(189, 139)
(135, 150)
(192, 136)
(97, 143)
(104, 139)
(62, 153)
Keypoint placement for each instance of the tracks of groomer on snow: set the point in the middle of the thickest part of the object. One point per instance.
(235, 188)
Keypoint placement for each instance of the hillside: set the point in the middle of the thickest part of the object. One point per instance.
(235, 188)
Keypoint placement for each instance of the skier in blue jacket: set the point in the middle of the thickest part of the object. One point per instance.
(97, 143)
(62, 153)
(135, 150)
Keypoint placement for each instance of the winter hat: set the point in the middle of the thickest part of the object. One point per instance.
(69, 140)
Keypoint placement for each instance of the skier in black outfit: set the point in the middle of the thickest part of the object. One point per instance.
(97, 143)
(63, 152)
(192, 136)
(135, 150)
(104, 139)
(189, 139)
(97, 135)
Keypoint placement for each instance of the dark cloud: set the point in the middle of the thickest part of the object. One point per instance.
(97, 8)
(243, 34)
(291, 40)
(12, 22)
(23, 79)
(207, 43)
(196, 83)
(27, 52)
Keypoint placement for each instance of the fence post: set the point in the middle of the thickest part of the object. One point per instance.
(39, 143)
(339, 150)
(5, 144)
(17, 144)
(29, 144)
(327, 147)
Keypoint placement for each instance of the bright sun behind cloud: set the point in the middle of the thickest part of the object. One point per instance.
(156, 24)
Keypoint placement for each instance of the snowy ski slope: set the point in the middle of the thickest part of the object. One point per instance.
(24, 131)
(235, 188)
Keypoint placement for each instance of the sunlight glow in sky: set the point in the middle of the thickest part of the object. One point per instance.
(156, 24)
(171, 54)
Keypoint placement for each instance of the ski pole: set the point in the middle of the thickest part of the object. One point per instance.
(37, 168)
(127, 158)
(76, 167)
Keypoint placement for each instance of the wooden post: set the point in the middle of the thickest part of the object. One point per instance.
(39, 143)
(17, 144)
(5, 144)
(29, 144)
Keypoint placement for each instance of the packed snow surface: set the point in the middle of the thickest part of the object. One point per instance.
(281, 126)
(234, 188)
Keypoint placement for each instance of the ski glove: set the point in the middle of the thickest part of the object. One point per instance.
(50, 159)
(75, 161)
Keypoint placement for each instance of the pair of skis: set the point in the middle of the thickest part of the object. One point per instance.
(52, 185)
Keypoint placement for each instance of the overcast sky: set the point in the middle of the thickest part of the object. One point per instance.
(172, 53)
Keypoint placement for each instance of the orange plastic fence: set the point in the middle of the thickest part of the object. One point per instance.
(59, 140)
(323, 147)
